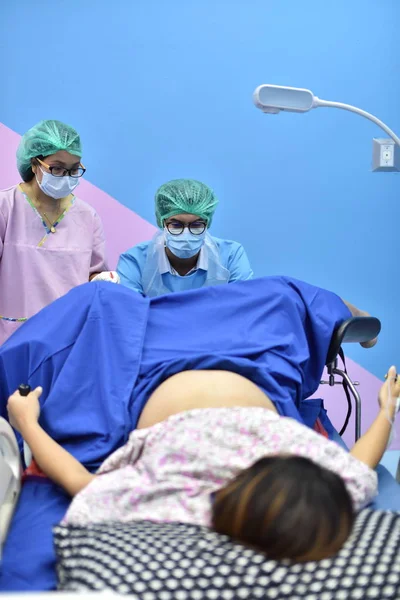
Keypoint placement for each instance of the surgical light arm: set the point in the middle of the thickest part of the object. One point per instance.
(272, 99)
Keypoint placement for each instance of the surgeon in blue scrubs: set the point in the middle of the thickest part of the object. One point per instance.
(183, 255)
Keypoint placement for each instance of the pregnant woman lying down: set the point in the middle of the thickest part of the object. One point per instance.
(210, 449)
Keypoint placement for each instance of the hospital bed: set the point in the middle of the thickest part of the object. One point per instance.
(49, 503)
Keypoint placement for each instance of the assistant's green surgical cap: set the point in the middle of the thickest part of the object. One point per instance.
(44, 139)
(185, 196)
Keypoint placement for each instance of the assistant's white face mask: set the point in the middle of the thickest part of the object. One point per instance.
(57, 187)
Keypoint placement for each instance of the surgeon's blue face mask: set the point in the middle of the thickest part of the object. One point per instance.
(184, 245)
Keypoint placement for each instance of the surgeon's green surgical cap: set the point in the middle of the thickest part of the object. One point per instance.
(44, 139)
(185, 196)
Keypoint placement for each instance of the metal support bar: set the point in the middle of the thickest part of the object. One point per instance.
(357, 400)
(323, 382)
(333, 370)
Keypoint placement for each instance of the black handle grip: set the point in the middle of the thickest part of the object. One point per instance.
(24, 389)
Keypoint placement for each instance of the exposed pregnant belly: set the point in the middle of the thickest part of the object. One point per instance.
(201, 389)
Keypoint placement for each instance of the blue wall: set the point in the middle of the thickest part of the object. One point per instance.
(162, 89)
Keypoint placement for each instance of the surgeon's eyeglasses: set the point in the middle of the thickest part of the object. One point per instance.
(62, 171)
(177, 227)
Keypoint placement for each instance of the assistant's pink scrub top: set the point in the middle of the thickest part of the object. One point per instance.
(38, 266)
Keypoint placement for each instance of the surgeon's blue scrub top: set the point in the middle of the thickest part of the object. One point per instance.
(232, 259)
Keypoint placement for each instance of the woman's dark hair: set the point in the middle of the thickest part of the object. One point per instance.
(29, 175)
(287, 507)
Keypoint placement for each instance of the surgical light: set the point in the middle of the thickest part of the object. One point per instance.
(272, 99)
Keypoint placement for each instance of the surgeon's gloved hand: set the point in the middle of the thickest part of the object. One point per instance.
(107, 276)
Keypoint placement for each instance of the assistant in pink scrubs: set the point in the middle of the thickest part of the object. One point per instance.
(50, 240)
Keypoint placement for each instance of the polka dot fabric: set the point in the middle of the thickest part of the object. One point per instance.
(172, 561)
